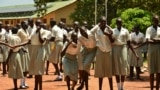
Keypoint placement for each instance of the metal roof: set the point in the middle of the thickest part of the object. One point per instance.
(15, 2)
(19, 8)
(16, 10)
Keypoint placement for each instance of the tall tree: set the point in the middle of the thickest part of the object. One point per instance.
(85, 10)
(41, 7)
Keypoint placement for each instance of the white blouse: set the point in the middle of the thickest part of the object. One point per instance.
(58, 33)
(138, 38)
(102, 41)
(87, 42)
(152, 33)
(47, 34)
(14, 40)
(2, 34)
(121, 37)
(73, 48)
(31, 29)
(24, 35)
(35, 37)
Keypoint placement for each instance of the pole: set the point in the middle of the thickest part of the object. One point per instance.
(106, 1)
(95, 12)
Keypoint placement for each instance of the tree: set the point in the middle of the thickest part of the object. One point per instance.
(85, 10)
(133, 16)
(54, 0)
(41, 7)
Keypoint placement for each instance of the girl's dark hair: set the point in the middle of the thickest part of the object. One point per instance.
(14, 30)
(52, 23)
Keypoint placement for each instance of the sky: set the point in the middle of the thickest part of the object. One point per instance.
(15, 2)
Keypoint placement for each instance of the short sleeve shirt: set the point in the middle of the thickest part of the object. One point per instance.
(152, 33)
(102, 41)
(121, 36)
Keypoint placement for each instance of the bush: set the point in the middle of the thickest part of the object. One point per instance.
(133, 16)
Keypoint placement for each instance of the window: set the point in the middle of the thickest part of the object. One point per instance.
(44, 20)
(51, 19)
(6, 22)
(11, 21)
(18, 21)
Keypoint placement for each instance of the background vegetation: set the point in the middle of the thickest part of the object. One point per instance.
(131, 11)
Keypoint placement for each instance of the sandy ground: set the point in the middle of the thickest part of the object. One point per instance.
(48, 83)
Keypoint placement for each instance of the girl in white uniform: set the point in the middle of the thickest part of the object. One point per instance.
(79, 59)
(25, 58)
(31, 28)
(49, 46)
(14, 59)
(37, 62)
(119, 53)
(153, 38)
(69, 61)
(136, 38)
(54, 58)
(2, 49)
(88, 53)
(103, 65)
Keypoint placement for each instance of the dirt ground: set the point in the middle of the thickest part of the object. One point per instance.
(48, 83)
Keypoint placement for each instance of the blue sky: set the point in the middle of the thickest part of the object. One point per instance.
(15, 2)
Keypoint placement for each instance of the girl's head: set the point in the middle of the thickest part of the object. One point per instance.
(74, 37)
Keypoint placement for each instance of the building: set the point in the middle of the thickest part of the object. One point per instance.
(59, 11)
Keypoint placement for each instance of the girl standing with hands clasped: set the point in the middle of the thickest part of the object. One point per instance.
(14, 59)
(153, 38)
(136, 38)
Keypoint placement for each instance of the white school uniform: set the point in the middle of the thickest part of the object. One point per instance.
(15, 65)
(80, 57)
(69, 61)
(58, 33)
(30, 31)
(103, 65)
(25, 58)
(153, 50)
(119, 51)
(89, 50)
(6, 49)
(48, 44)
(2, 49)
(138, 38)
(36, 66)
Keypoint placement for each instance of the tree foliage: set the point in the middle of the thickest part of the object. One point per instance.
(41, 7)
(134, 16)
(54, 0)
(85, 10)
(115, 7)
